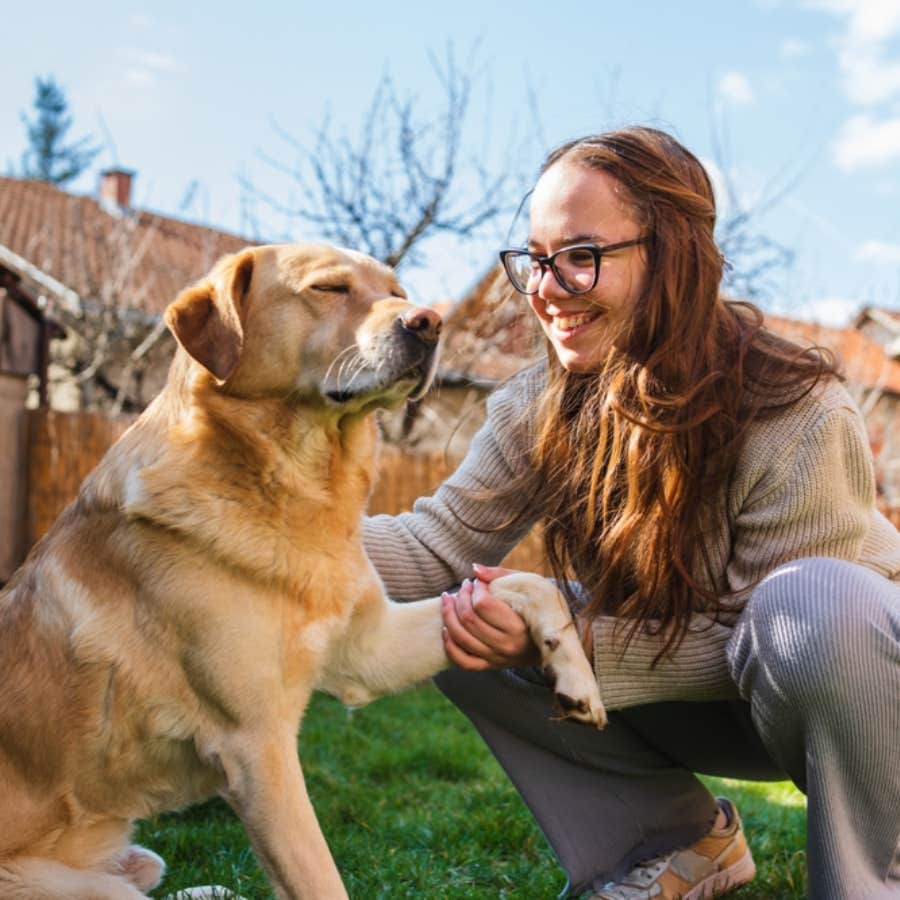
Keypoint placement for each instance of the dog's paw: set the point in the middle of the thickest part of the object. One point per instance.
(577, 695)
(544, 609)
(142, 867)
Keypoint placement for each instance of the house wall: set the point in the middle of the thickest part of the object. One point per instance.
(20, 337)
(882, 414)
(13, 390)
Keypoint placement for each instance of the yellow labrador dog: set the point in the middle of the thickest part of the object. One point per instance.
(160, 645)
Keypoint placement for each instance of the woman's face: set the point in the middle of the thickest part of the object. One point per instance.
(573, 204)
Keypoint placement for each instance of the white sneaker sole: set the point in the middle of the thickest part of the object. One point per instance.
(741, 872)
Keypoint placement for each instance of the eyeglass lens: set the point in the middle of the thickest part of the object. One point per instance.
(575, 270)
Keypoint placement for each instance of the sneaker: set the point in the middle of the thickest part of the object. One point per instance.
(709, 868)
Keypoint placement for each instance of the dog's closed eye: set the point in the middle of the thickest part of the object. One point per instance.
(332, 288)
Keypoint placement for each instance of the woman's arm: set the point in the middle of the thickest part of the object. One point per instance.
(432, 548)
(810, 496)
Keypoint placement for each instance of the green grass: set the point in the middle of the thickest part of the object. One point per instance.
(413, 805)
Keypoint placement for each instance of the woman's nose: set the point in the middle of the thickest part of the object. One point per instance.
(549, 287)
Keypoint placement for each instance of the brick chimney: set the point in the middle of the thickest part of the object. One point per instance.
(115, 187)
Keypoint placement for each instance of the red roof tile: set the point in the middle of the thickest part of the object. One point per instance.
(491, 334)
(863, 359)
(138, 258)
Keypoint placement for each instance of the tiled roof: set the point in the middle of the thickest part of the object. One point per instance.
(862, 358)
(140, 258)
(868, 311)
(491, 334)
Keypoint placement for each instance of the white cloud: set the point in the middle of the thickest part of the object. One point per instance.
(871, 72)
(140, 20)
(870, 69)
(791, 48)
(869, 78)
(139, 77)
(866, 141)
(878, 252)
(735, 88)
(142, 68)
(158, 62)
(833, 312)
(868, 20)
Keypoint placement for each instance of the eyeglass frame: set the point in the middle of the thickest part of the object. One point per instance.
(548, 261)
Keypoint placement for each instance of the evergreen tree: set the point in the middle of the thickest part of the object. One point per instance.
(48, 158)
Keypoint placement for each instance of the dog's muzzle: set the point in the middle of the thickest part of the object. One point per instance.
(402, 360)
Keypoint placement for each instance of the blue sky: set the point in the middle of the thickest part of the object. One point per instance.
(807, 93)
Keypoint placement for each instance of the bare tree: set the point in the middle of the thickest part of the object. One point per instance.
(117, 349)
(112, 337)
(755, 262)
(402, 180)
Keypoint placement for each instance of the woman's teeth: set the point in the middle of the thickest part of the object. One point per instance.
(567, 323)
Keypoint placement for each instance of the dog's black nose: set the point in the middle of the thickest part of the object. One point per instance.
(424, 323)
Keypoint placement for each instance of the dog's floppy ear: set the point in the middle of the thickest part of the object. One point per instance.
(206, 319)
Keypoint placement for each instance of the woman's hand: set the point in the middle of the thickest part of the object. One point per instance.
(482, 632)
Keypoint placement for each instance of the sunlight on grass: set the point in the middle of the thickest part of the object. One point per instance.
(413, 805)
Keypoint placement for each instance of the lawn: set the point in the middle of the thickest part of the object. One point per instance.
(413, 805)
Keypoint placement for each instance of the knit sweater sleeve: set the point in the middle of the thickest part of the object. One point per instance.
(432, 548)
(805, 487)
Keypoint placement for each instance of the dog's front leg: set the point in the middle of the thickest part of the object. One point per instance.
(265, 787)
(388, 647)
(552, 629)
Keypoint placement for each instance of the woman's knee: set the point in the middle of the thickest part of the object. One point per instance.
(816, 628)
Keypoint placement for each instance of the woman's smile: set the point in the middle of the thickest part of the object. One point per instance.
(570, 325)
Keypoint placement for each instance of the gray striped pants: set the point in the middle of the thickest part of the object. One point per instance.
(815, 657)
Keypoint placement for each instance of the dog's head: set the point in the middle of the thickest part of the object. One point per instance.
(310, 321)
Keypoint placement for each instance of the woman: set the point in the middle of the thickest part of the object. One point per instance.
(709, 489)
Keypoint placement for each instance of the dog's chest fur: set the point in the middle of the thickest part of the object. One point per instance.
(171, 660)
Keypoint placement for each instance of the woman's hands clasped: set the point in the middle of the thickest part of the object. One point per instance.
(482, 632)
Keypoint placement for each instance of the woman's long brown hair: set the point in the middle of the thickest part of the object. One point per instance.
(635, 456)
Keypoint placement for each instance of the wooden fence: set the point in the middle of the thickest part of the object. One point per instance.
(64, 447)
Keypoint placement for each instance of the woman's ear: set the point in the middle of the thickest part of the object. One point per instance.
(207, 318)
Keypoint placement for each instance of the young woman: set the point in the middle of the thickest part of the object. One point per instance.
(707, 497)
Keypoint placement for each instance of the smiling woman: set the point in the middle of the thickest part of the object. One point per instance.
(706, 493)
(582, 291)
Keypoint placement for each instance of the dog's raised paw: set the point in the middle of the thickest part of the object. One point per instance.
(579, 697)
(582, 710)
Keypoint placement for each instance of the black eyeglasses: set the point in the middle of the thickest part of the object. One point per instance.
(576, 268)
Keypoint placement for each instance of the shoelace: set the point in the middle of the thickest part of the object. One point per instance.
(648, 869)
(643, 874)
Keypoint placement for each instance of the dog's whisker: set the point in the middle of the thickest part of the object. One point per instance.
(355, 366)
(338, 357)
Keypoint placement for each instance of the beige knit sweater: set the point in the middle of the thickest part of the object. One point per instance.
(804, 486)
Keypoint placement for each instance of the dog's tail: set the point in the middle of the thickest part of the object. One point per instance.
(29, 878)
